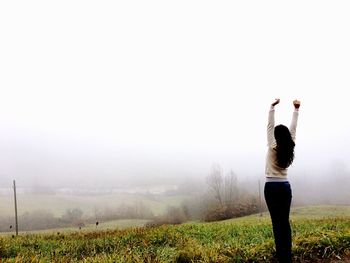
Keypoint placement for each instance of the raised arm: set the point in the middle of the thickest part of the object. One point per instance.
(293, 125)
(271, 124)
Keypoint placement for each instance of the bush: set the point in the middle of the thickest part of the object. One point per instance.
(173, 216)
(243, 207)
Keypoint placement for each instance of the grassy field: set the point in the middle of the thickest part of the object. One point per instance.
(318, 233)
(109, 225)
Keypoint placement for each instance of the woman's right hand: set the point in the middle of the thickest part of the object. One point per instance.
(275, 102)
(296, 104)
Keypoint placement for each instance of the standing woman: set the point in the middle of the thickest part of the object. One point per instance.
(278, 193)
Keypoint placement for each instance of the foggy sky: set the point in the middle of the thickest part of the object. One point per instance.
(97, 90)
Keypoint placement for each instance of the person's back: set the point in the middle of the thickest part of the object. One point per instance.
(278, 193)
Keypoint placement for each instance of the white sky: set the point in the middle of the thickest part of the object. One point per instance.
(166, 87)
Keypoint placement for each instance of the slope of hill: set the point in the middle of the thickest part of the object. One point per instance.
(323, 235)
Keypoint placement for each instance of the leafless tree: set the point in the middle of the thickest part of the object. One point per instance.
(230, 189)
(215, 182)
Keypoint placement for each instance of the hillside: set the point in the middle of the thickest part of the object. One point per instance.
(325, 234)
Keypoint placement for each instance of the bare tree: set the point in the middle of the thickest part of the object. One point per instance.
(215, 181)
(229, 201)
(224, 188)
(231, 193)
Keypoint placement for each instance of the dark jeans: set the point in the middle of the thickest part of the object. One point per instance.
(278, 196)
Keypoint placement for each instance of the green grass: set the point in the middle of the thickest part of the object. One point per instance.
(109, 225)
(249, 239)
(321, 211)
(307, 212)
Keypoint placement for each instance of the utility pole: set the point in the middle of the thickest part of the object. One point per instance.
(16, 218)
(260, 199)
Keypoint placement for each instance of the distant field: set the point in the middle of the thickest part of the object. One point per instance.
(321, 211)
(110, 225)
(320, 232)
(59, 203)
(307, 212)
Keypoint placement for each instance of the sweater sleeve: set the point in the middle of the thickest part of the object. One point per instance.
(271, 127)
(293, 125)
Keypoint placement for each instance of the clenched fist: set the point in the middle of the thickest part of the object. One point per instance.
(296, 104)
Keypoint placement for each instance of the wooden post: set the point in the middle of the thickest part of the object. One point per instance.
(16, 218)
(260, 199)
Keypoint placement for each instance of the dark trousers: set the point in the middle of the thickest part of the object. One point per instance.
(278, 196)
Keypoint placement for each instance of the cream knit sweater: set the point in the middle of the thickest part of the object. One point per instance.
(271, 168)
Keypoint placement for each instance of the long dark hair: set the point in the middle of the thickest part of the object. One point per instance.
(285, 146)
